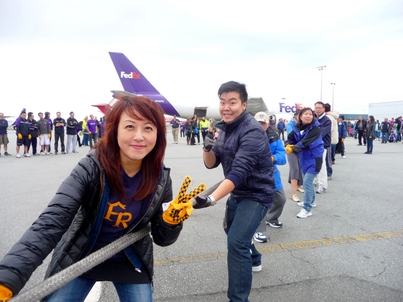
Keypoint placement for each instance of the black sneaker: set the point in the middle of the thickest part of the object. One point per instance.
(276, 225)
(63, 152)
(7, 154)
(55, 152)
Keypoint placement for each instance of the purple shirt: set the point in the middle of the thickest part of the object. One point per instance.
(122, 214)
(92, 126)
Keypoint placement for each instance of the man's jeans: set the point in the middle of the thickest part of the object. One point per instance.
(385, 137)
(241, 222)
(329, 169)
(93, 137)
(78, 289)
(309, 194)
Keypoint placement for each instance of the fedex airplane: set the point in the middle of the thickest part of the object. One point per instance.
(135, 83)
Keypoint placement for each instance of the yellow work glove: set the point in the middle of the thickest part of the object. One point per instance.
(5, 293)
(48, 135)
(288, 149)
(181, 207)
(342, 140)
(29, 136)
(19, 136)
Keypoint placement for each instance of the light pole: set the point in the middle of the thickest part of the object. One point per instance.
(320, 68)
(333, 95)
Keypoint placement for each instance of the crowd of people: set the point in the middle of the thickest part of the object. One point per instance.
(387, 131)
(35, 135)
(115, 197)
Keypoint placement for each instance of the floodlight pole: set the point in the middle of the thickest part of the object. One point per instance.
(320, 68)
(333, 95)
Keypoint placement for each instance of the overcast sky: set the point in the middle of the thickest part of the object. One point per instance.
(54, 54)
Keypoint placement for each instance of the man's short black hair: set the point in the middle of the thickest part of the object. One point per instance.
(321, 103)
(327, 107)
(233, 86)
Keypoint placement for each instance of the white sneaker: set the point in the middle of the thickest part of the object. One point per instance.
(27, 155)
(18, 155)
(260, 237)
(42, 153)
(320, 190)
(343, 156)
(304, 214)
(301, 204)
(256, 268)
(47, 153)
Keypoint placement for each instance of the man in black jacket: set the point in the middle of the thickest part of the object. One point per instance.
(361, 128)
(59, 124)
(243, 150)
(33, 131)
(385, 127)
(72, 125)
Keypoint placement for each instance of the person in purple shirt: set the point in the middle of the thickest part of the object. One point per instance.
(3, 134)
(92, 130)
(47, 116)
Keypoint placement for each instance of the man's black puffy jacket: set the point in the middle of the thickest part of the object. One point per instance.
(243, 150)
(70, 225)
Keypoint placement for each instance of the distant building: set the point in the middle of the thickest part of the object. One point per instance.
(387, 109)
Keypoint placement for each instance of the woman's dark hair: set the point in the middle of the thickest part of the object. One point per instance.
(302, 112)
(371, 117)
(108, 150)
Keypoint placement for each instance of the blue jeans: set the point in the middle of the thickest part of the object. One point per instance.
(78, 289)
(242, 220)
(85, 139)
(370, 144)
(385, 137)
(309, 194)
(329, 168)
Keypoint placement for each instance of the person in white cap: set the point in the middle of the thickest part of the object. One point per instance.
(72, 125)
(278, 158)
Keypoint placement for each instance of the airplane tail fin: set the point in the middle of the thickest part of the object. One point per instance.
(135, 82)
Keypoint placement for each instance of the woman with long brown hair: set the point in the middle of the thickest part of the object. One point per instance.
(119, 187)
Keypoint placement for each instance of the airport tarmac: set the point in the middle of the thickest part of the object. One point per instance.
(350, 249)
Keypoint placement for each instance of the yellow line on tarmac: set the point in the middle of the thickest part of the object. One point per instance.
(308, 244)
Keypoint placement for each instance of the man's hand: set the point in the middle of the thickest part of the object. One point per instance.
(19, 136)
(181, 207)
(203, 202)
(208, 142)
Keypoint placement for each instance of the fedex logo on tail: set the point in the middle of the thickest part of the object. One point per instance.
(288, 109)
(131, 75)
